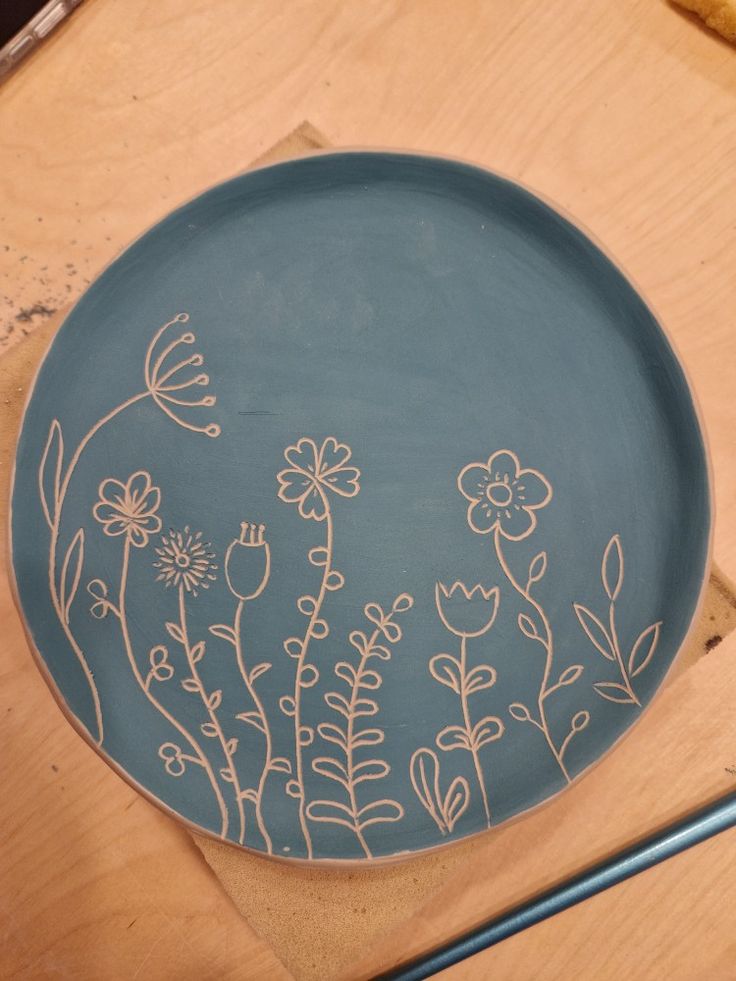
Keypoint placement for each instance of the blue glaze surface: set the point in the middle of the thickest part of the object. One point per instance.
(429, 376)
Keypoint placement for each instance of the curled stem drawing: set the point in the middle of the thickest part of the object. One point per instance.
(316, 627)
(529, 628)
(547, 643)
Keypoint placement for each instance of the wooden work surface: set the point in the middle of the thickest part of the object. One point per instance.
(624, 113)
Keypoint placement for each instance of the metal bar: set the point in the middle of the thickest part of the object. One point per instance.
(703, 824)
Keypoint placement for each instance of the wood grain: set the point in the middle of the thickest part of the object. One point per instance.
(624, 113)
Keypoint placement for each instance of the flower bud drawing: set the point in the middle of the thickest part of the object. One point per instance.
(466, 612)
(248, 562)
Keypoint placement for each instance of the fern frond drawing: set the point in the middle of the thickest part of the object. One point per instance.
(350, 735)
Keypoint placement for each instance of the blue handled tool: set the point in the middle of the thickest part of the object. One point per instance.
(703, 824)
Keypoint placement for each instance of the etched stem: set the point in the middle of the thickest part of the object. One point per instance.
(301, 664)
(469, 728)
(566, 741)
(201, 758)
(617, 654)
(53, 546)
(547, 642)
(210, 711)
(237, 631)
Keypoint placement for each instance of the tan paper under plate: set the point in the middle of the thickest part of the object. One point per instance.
(323, 923)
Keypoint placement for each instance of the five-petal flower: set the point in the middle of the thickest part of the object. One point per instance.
(129, 508)
(503, 496)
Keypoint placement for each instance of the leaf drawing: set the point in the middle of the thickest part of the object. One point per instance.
(613, 692)
(597, 633)
(643, 649)
(446, 669)
(453, 737)
(612, 569)
(537, 569)
(444, 809)
(49, 473)
(71, 572)
(223, 631)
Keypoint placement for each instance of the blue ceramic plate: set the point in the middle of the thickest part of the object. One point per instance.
(359, 506)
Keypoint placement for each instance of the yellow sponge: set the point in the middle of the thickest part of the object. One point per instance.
(720, 15)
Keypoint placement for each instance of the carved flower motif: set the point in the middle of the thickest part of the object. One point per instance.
(313, 471)
(503, 496)
(466, 612)
(185, 560)
(171, 385)
(248, 562)
(129, 508)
